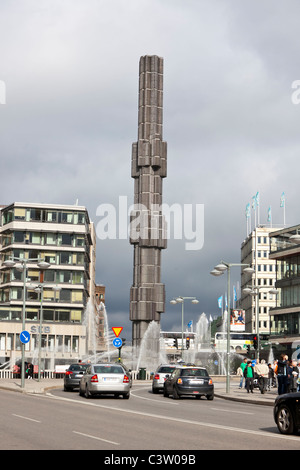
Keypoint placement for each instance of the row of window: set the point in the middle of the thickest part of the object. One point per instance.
(286, 324)
(42, 215)
(57, 315)
(52, 257)
(288, 268)
(41, 238)
(50, 275)
(63, 343)
(50, 295)
(290, 296)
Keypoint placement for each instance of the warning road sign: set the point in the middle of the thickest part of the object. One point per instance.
(117, 330)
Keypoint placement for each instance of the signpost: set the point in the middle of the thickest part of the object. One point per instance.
(24, 336)
(117, 342)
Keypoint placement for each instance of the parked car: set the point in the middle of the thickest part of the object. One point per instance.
(160, 376)
(287, 412)
(105, 379)
(73, 375)
(189, 381)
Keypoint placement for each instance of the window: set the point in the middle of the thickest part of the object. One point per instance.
(19, 237)
(51, 216)
(51, 238)
(65, 258)
(20, 213)
(77, 296)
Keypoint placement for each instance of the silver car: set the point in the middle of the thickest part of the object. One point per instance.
(160, 376)
(105, 379)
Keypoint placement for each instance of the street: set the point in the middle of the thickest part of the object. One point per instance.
(65, 421)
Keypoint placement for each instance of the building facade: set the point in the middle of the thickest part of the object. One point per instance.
(285, 316)
(64, 238)
(255, 251)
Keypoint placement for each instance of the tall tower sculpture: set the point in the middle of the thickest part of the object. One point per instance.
(148, 231)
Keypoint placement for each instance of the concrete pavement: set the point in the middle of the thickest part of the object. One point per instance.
(237, 394)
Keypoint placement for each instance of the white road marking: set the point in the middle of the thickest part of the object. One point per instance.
(97, 438)
(232, 411)
(25, 417)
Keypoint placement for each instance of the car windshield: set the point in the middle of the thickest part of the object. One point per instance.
(166, 369)
(78, 367)
(108, 370)
(193, 372)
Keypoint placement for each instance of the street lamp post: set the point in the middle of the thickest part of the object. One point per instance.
(180, 300)
(217, 271)
(255, 291)
(21, 265)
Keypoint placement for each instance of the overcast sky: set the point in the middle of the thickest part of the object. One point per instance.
(70, 69)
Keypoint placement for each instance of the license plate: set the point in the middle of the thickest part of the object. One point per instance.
(197, 382)
(110, 379)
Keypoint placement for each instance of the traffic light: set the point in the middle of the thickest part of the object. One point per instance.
(255, 342)
(175, 343)
(248, 348)
(187, 343)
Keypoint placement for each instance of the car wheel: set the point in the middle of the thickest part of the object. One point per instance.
(285, 420)
(210, 397)
(67, 389)
(165, 393)
(154, 390)
(80, 392)
(198, 397)
(126, 395)
(175, 394)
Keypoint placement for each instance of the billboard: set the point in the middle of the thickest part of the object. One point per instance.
(237, 320)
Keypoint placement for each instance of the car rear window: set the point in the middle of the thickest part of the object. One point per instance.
(166, 370)
(78, 367)
(108, 370)
(193, 372)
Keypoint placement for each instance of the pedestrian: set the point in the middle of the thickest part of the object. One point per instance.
(298, 379)
(270, 376)
(242, 367)
(262, 371)
(249, 376)
(281, 372)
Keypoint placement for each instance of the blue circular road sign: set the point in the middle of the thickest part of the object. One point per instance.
(117, 342)
(24, 336)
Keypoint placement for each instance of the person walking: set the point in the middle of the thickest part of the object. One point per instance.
(242, 367)
(249, 376)
(262, 370)
(282, 375)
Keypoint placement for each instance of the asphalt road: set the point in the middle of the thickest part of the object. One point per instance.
(65, 421)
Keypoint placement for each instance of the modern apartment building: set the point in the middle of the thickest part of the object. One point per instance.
(285, 316)
(63, 237)
(255, 250)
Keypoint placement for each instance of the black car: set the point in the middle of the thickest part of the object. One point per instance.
(73, 375)
(189, 381)
(287, 412)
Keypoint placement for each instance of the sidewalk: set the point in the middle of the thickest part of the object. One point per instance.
(236, 394)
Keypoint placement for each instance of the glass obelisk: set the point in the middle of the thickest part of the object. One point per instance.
(147, 225)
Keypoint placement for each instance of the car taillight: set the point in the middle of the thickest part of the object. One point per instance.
(210, 382)
(94, 378)
(69, 372)
(179, 381)
(156, 377)
(126, 379)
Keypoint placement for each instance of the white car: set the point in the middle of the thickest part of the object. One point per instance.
(105, 378)
(160, 376)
